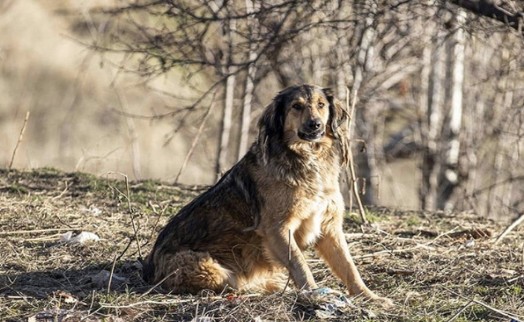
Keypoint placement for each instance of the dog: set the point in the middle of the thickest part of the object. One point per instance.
(280, 198)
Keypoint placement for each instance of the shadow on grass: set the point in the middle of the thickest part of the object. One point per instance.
(46, 294)
(77, 282)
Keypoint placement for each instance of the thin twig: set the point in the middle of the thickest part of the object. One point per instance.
(353, 181)
(394, 251)
(289, 259)
(403, 250)
(92, 303)
(171, 302)
(159, 282)
(36, 231)
(158, 215)
(135, 304)
(135, 228)
(127, 195)
(522, 260)
(348, 179)
(111, 275)
(20, 137)
(456, 315)
(197, 137)
(506, 231)
(489, 307)
(52, 237)
(62, 193)
(125, 249)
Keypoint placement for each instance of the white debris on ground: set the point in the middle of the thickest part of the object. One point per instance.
(329, 303)
(81, 238)
(92, 210)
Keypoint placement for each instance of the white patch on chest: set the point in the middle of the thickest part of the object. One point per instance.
(311, 226)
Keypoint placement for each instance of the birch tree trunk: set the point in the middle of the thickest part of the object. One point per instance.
(228, 104)
(246, 110)
(431, 160)
(449, 175)
(249, 86)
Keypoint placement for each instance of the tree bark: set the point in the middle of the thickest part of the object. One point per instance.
(228, 104)
(367, 168)
(450, 177)
(422, 113)
(431, 161)
(248, 88)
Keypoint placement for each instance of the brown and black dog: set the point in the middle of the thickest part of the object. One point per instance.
(282, 197)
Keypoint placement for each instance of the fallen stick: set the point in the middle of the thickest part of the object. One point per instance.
(506, 231)
(456, 315)
(394, 251)
(489, 307)
(173, 301)
(36, 231)
(197, 137)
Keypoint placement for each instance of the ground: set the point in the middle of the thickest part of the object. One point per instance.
(434, 266)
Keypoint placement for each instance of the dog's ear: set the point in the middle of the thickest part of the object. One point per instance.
(338, 115)
(338, 121)
(271, 125)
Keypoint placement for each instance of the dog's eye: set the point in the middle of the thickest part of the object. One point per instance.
(320, 105)
(297, 106)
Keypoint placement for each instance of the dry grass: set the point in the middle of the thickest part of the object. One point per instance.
(436, 267)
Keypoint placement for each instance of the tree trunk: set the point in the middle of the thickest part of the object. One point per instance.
(431, 160)
(367, 168)
(422, 112)
(498, 194)
(449, 175)
(248, 88)
(228, 104)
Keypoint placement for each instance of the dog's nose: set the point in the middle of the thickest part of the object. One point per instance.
(314, 124)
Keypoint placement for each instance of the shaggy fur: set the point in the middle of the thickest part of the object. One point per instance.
(282, 197)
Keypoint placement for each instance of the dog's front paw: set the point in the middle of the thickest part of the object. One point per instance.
(385, 302)
(325, 295)
(324, 291)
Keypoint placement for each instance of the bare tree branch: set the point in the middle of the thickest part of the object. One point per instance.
(491, 10)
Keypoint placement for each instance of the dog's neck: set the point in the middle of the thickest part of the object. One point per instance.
(300, 162)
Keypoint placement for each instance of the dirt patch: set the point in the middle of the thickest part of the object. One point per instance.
(435, 266)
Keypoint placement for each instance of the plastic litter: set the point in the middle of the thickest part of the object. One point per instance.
(81, 238)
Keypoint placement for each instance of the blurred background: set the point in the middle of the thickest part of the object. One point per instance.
(172, 90)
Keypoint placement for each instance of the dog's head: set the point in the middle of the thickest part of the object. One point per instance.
(302, 114)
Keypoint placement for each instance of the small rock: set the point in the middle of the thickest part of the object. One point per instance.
(202, 319)
(101, 280)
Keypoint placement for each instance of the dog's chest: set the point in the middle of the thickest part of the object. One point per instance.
(310, 228)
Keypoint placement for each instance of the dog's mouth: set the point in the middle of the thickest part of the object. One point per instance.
(311, 136)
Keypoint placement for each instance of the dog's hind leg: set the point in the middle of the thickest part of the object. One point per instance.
(265, 281)
(191, 272)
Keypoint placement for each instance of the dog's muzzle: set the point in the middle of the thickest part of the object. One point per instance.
(312, 130)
